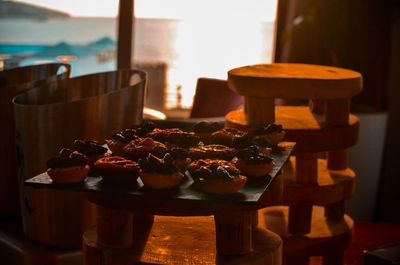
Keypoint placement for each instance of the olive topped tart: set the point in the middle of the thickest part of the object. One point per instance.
(159, 173)
(217, 176)
(68, 167)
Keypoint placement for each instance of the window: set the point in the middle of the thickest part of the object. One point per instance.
(185, 39)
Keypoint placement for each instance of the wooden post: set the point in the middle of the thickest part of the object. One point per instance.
(306, 173)
(337, 113)
(335, 211)
(317, 106)
(234, 233)
(338, 159)
(259, 111)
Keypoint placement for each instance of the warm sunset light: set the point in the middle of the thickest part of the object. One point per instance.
(261, 10)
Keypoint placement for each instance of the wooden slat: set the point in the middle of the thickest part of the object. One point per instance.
(126, 33)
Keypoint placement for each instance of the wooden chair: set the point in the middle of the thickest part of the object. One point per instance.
(214, 98)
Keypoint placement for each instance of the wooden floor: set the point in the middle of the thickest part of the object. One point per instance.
(13, 245)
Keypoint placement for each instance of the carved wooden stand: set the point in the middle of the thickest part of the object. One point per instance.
(128, 233)
(180, 240)
(139, 225)
(325, 129)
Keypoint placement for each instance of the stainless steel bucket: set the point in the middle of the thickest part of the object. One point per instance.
(13, 82)
(52, 116)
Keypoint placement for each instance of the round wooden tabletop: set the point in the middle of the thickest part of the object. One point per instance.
(296, 81)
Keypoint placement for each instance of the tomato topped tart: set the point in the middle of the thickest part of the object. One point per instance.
(117, 169)
(141, 147)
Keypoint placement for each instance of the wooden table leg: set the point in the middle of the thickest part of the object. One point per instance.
(234, 233)
(255, 218)
(143, 218)
(142, 223)
(114, 227)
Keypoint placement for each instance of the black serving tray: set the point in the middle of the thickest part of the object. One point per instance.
(188, 193)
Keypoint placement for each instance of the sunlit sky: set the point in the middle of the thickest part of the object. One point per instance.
(260, 10)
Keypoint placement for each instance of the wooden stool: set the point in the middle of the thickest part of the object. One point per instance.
(325, 126)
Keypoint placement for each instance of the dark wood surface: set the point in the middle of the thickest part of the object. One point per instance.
(15, 248)
(187, 199)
